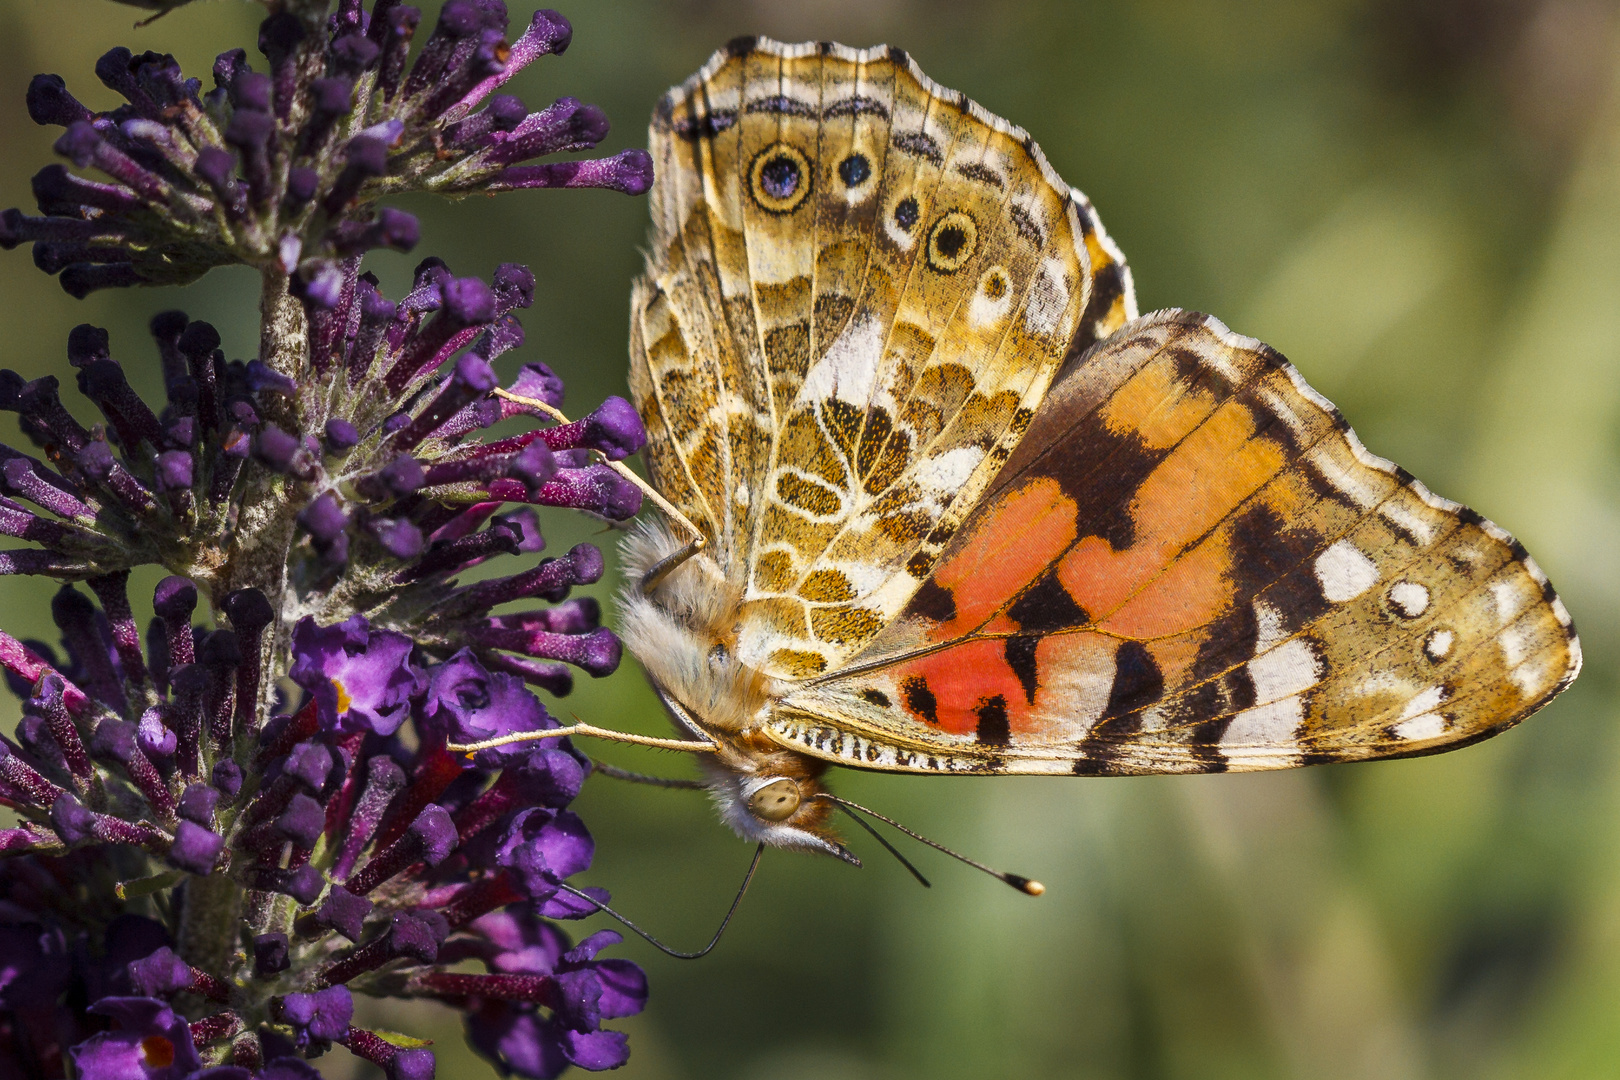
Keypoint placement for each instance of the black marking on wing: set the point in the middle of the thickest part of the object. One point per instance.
(1021, 658)
(920, 145)
(982, 173)
(919, 699)
(994, 729)
(856, 106)
(782, 105)
(933, 601)
(1024, 222)
(1046, 606)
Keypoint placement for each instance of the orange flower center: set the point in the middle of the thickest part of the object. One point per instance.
(158, 1051)
(343, 700)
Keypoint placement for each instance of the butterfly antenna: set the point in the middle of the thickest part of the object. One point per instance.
(1027, 886)
(617, 773)
(759, 852)
(880, 838)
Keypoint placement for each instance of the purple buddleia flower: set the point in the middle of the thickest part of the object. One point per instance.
(234, 818)
(189, 177)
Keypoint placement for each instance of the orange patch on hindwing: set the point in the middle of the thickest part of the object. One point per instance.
(1022, 534)
(1208, 474)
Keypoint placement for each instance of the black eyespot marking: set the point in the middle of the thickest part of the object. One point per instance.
(779, 179)
(875, 697)
(854, 170)
(952, 242)
(905, 215)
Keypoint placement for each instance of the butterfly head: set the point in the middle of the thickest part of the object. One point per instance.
(770, 795)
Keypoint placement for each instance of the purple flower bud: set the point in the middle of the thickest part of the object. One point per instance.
(344, 912)
(160, 975)
(400, 538)
(320, 1017)
(71, 820)
(630, 171)
(155, 738)
(354, 53)
(469, 300)
(197, 804)
(175, 599)
(173, 471)
(215, 166)
(416, 934)
(114, 740)
(227, 777)
(302, 821)
(304, 884)
(310, 763)
(340, 436)
(249, 129)
(539, 382)
(302, 183)
(324, 518)
(50, 103)
(270, 955)
(411, 1064)
(402, 476)
(261, 377)
(276, 448)
(250, 90)
(195, 848)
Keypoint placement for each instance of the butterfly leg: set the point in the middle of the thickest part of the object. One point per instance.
(660, 570)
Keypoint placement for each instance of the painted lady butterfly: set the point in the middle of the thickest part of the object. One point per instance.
(962, 511)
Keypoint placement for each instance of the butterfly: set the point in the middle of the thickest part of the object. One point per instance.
(960, 510)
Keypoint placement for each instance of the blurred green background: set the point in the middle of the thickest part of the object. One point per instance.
(1419, 203)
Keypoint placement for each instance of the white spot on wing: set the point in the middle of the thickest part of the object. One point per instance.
(849, 366)
(1409, 598)
(1266, 725)
(1438, 644)
(1419, 720)
(1345, 572)
(949, 472)
(1287, 669)
(1048, 298)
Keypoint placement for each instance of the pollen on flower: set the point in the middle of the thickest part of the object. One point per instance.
(343, 698)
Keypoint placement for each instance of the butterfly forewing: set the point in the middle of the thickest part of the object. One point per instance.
(1190, 564)
(861, 285)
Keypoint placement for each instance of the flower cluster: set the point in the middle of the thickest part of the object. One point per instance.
(349, 858)
(281, 168)
(234, 819)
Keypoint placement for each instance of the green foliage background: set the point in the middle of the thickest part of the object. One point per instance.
(1419, 203)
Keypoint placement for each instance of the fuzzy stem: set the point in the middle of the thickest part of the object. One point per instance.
(209, 922)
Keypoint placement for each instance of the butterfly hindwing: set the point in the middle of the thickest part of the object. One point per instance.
(1191, 564)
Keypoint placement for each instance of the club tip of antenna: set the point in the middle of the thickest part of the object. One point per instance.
(1027, 886)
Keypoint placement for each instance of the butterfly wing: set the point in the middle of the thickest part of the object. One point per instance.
(861, 286)
(1191, 564)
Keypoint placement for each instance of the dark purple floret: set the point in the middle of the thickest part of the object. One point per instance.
(270, 955)
(322, 1016)
(195, 849)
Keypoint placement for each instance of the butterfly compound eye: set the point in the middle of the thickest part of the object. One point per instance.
(775, 801)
